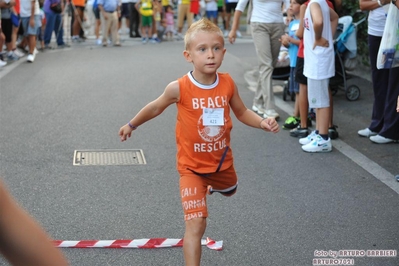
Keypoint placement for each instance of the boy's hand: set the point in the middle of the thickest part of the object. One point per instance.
(321, 42)
(125, 132)
(285, 40)
(270, 124)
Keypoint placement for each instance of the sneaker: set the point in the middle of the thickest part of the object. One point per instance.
(299, 132)
(152, 40)
(19, 53)
(308, 139)
(35, 52)
(332, 132)
(291, 122)
(48, 47)
(226, 33)
(62, 46)
(258, 109)
(2, 63)
(179, 37)
(144, 40)
(271, 113)
(366, 133)
(11, 56)
(76, 39)
(209, 190)
(318, 144)
(382, 140)
(238, 33)
(30, 58)
(99, 41)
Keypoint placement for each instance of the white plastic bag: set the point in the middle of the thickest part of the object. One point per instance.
(388, 54)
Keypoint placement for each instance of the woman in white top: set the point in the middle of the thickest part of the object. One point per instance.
(267, 26)
(384, 127)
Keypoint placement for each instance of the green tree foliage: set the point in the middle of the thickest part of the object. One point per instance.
(351, 8)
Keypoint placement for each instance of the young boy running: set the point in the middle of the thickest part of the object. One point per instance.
(203, 98)
(319, 66)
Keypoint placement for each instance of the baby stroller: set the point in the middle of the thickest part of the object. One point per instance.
(282, 72)
(345, 46)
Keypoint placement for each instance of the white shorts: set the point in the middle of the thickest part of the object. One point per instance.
(318, 96)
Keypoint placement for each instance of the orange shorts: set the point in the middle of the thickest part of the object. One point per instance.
(193, 190)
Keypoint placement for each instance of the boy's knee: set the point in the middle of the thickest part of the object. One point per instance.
(196, 226)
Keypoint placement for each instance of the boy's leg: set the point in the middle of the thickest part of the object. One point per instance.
(193, 197)
(192, 249)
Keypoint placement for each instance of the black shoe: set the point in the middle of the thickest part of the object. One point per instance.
(332, 132)
(299, 132)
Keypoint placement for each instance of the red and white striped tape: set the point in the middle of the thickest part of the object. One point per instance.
(137, 243)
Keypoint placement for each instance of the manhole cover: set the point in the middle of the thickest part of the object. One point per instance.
(108, 157)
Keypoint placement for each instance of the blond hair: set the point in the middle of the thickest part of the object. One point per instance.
(202, 25)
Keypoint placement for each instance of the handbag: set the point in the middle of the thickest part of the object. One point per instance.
(388, 53)
(56, 7)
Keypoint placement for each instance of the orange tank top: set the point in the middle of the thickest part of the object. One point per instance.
(203, 148)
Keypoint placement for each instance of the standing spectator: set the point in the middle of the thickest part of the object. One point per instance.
(97, 24)
(40, 30)
(157, 28)
(7, 8)
(302, 130)
(319, 20)
(291, 42)
(267, 26)
(78, 7)
(2, 63)
(109, 14)
(230, 7)
(31, 21)
(211, 7)
(183, 12)
(54, 24)
(146, 12)
(125, 13)
(134, 25)
(222, 13)
(384, 126)
(15, 29)
(170, 23)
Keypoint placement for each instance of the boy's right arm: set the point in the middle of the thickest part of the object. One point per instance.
(299, 32)
(169, 96)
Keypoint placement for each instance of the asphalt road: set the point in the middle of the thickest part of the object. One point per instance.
(289, 204)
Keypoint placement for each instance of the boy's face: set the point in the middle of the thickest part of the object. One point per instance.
(206, 51)
(294, 8)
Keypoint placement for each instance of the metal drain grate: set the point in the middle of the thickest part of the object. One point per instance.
(108, 157)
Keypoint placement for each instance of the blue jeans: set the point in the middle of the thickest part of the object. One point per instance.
(53, 24)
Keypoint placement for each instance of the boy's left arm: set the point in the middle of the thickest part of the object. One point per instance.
(248, 117)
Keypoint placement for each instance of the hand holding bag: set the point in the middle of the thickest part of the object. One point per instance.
(388, 53)
(56, 7)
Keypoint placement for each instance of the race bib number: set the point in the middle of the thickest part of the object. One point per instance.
(213, 117)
